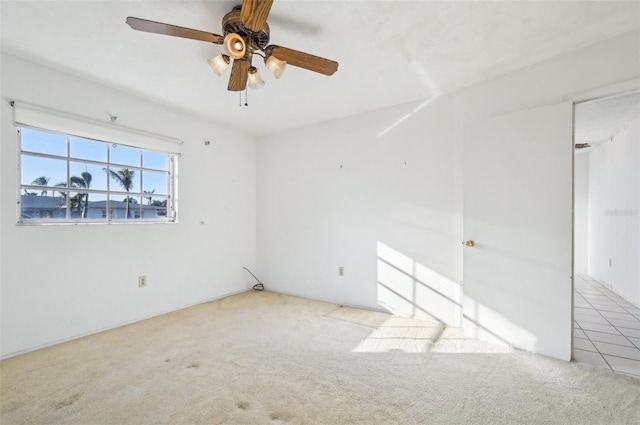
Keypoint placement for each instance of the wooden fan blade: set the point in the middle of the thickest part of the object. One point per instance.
(167, 29)
(239, 75)
(254, 14)
(303, 60)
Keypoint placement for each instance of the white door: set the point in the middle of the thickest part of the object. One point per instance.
(518, 207)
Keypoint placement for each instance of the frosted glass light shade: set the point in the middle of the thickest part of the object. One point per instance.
(276, 66)
(234, 45)
(219, 64)
(255, 81)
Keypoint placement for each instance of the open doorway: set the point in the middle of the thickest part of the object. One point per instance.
(607, 233)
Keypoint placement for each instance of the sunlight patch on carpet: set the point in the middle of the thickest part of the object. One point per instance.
(416, 336)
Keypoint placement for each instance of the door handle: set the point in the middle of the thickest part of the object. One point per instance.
(470, 243)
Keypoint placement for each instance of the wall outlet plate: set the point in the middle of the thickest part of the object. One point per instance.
(142, 281)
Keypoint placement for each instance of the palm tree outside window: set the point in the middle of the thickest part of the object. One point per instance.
(125, 178)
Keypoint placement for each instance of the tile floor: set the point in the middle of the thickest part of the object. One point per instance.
(606, 328)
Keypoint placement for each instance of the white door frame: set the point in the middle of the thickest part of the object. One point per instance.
(594, 95)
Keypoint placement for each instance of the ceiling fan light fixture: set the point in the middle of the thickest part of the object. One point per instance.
(276, 66)
(235, 45)
(255, 80)
(245, 33)
(219, 64)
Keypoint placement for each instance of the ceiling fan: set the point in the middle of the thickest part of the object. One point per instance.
(246, 33)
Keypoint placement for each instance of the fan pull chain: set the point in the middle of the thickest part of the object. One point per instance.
(246, 98)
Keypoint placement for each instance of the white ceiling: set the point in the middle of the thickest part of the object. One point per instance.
(390, 52)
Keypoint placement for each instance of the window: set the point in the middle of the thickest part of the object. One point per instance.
(65, 178)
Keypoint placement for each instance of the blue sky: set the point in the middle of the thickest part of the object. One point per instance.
(83, 149)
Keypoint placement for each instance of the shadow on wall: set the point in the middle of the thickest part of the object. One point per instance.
(503, 330)
(411, 289)
(405, 287)
(503, 301)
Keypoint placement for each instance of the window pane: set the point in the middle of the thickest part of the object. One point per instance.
(124, 155)
(77, 203)
(33, 207)
(119, 209)
(124, 179)
(156, 183)
(88, 149)
(88, 175)
(155, 209)
(43, 172)
(155, 160)
(136, 207)
(41, 142)
(96, 206)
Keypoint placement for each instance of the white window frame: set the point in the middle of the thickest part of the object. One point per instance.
(29, 116)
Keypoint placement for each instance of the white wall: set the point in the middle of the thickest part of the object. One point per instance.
(385, 221)
(61, 282)
(373, 198)
(581, 212)
(614, 218)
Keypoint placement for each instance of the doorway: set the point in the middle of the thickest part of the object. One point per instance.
(606, 327)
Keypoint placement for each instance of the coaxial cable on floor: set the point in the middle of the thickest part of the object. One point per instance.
(258, 286)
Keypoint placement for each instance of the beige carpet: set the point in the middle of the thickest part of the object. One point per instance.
(265, 358)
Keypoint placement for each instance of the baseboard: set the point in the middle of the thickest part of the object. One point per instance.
(293, 294)
(118, 325)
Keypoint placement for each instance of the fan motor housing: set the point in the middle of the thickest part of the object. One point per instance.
(231, 23)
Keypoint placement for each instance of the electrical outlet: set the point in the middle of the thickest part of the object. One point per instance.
(340, 271)
(142, 281)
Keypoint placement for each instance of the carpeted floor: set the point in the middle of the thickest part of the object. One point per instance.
(265, 358)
